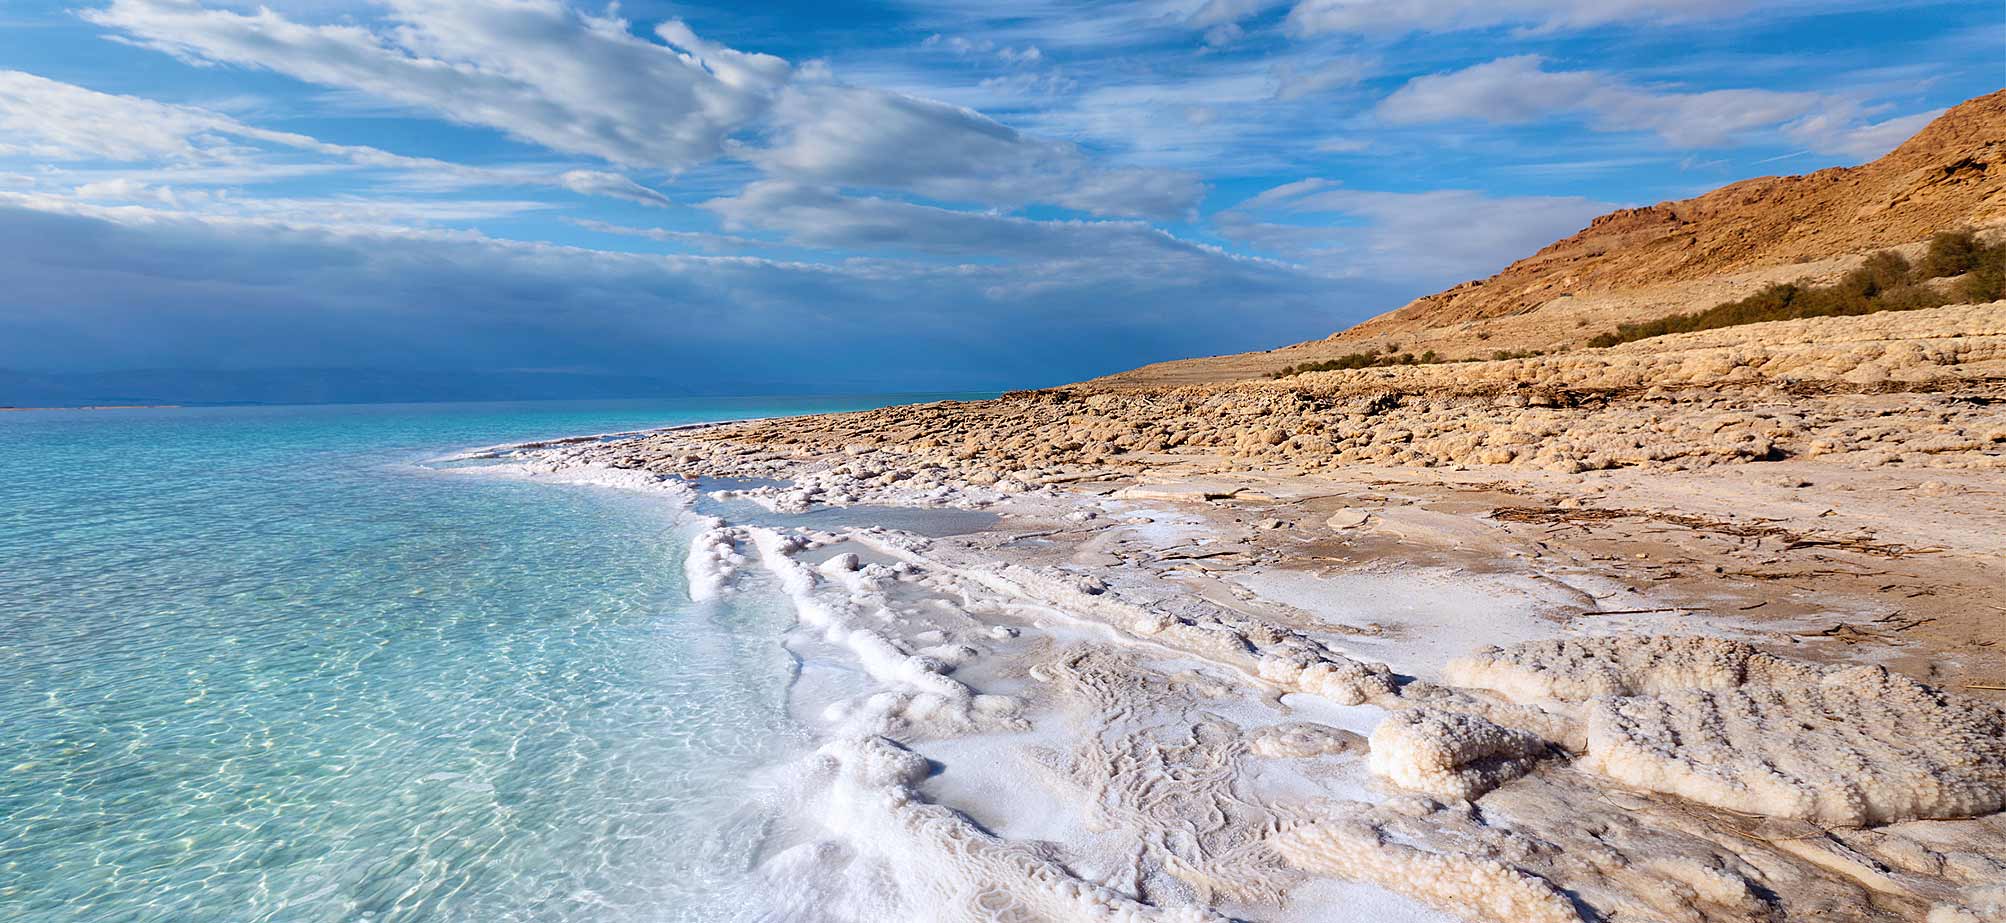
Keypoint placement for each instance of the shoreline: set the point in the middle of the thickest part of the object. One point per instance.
(1255, 627)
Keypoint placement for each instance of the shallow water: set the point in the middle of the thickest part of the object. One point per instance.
(257, 664)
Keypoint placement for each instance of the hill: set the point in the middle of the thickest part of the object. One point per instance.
(1639, 264)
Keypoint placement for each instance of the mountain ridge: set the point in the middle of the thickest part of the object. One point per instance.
(1641, 263)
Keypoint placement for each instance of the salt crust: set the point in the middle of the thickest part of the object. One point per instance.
(1579, 669)
(919, 696)
(1344, 841)
(712, 559)
(1450, 754)
(1860, 746)
(1725, 724)
(927, 862)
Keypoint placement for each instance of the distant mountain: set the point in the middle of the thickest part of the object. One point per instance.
(1643, 263)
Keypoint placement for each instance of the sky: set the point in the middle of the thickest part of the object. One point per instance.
(532, 197)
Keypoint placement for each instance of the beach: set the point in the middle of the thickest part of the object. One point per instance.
(1197, 667)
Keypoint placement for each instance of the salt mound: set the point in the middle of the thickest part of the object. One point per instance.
(1580, 669)
(712, 559)
(1300, 740)
(1724, 724)
(905, 858)
(1346, 841)
(1331, 676)
(1450, 754)
(1858, 746)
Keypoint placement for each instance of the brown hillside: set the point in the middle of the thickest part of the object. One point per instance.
(1641, 263)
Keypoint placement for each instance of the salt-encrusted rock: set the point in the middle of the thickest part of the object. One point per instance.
(1724, 724)
(1450, 754)
(1346, 842)
(1859, 746)
(1580, 669)
(846, 562)
(1300, 739)
(1339, 679)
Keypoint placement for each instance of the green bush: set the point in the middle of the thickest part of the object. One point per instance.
(1885, 282)
(1357, 361)
(1986, 279)
(1951, 253)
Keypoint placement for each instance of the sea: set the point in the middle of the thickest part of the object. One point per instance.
(283, 664)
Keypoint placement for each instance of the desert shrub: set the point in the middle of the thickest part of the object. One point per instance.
(1986, 279)
(1884, 282)
(1357, 361)
(1951, 253)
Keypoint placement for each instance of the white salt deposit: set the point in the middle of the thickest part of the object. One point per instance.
(1858, 746)
(1344, 840)
(900, 857)
(1725, 724)
(919, 696)
(1340, 679)
(1450, 754)
(712, 559)
(1579, 669)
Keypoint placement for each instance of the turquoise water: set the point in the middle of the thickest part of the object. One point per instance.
(257, 664)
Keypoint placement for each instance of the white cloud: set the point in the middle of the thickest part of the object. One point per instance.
(1295, 82)
(59, 122)
(1318, 17)
(859, 137)
(1520, 89)
(703, 240)
(1846, 133)
(611, 185)
(1435, 237)
(821, 216)
(584, 84)
(536, 69)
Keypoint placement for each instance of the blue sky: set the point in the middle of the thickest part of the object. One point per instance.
(871, 195)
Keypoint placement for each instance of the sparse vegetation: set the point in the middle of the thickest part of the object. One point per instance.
(1358, 361)
(1885, 282)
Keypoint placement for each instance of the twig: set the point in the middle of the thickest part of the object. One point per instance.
(1643, 611)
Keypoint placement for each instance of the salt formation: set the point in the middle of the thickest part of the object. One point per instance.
(712, 559)
(567, 466)
(1450, 754)
(1300, 740)
(1348, 841)
(1984, 904)
(921, 860)
(1334, 677)
(1169, 775)
(920, 696)
(1274, 652)
(1724, 724)
(1858, 746)
(1579, 669)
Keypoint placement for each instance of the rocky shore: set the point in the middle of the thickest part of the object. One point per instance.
(1708, 627)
